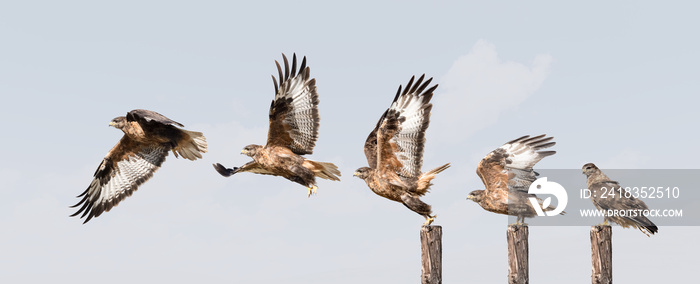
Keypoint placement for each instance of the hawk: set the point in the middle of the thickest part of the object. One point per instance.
(293, 131)
(394, 149)
(507, 175)
(609, 195)
(148, 136)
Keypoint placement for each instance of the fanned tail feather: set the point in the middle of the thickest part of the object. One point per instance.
(424, 179)
(192, 146)
(323, 170)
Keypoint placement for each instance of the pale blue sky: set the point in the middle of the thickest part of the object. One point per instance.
(616, 83)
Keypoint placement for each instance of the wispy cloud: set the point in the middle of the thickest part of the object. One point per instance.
(480, 86)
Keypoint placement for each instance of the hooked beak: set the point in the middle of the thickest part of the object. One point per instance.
(244, 152)
(111, 123)
(356, 174)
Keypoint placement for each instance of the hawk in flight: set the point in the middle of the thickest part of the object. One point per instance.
(394, 149)
(148, 136)
(293, 131)
(507, 175)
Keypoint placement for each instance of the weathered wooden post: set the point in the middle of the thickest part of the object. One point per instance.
(601, 247)
(431, 254)
(518, 267)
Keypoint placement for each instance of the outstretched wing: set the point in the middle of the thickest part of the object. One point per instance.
(294, 118)
(509, 167)
(148, 116)
(157, 128)
(126, 166)
(251, 166)
(401, 133)
(371, 144)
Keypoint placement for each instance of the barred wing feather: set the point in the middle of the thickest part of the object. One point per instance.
(294, 118)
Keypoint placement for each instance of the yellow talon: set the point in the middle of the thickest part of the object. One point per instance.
(429, 220)
(312, 190)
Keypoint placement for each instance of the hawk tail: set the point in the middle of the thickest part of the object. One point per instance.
(550, 208)
(646, 226)
(652, 229)
(424, 179)
(191, 145)
(323, 170)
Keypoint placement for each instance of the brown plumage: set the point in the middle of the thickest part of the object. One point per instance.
(148, 136)
(394, 149)
(293, 131)
(507, 174)
(598, 182)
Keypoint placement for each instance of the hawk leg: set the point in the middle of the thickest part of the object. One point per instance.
(520, 221)
(312, 190)
(429, 220)
(418, 206)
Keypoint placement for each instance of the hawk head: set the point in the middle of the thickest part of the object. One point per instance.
(362, 173)
(475, 195)
(589, 169)
(251, 150)
(118, 122)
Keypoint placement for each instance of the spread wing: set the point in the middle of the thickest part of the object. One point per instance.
(251, 166)
(158, 128)
(142, 115)
(492, 173)
(294, 118)
(371, 144)
(401, 133)
(509, 168)
(126, 166)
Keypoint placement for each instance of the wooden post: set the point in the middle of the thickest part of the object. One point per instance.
(601, 247)
(518, 267)
(431, 254)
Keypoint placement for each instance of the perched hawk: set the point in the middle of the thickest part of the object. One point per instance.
(598, 182)
(507, 174)
(293, 132)
(394, 150)
(148, 136)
